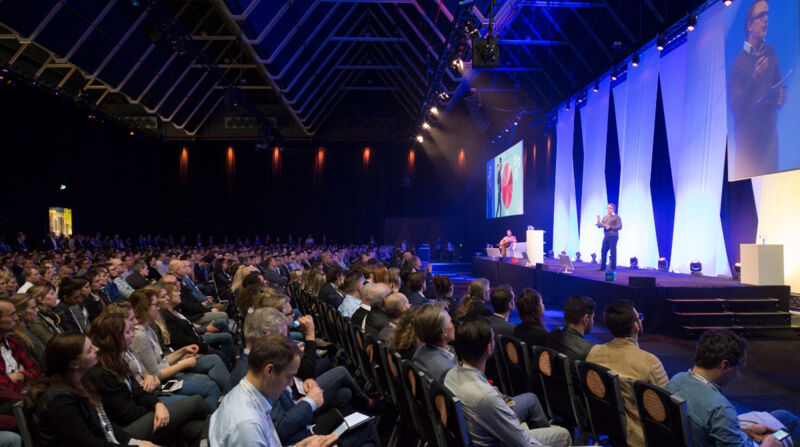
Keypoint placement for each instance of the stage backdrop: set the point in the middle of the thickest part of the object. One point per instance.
(565, 211)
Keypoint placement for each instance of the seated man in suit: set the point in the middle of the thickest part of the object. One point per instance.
(359, 317)
(138, 279)
(435, 329)
(273, 275)
(329, 292)
(416, 287)
(490, 420)
(623, 356)
(579, 319)
(502, 298)
(395, 306)
(376, 317)
(718, 360)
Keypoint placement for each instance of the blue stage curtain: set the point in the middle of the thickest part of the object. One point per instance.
(594, 126)
(636, 124)
(693, 85)
(565, 214)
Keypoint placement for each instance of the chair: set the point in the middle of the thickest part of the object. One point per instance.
(364, 357)
(603, 398)
(23, 423)
(394, 361)
(515, 366)
(376, 367)
(663, 416)
(554, 372)
(414, 379)
(494, 371)
(392, 391)
(448, 416)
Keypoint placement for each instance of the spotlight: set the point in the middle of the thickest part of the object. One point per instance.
(737, 271)
(444, 96)
(471, 30)
(691, 22)
(728, 2)
(63, 187)
(567, 107)
(594, 258)
(613, 76)
(696, 268)
(506, 130)
(634, 264)
(434, 111)
(661, 42)
(420, 139)
(577, 256)
(663, 264)
(596, 87)
(131, 134)
(635, 60)
(426, 126)
(515, 123)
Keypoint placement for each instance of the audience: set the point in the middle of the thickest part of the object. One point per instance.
(490, 420)
(395, 305)
(502, 298)
(359, 317)
(435, 330)
(718, 360)
(579, 319)
(351, 287)
(444, 292)
(403, 338)
(71, 317)
(46, 326)
(377, 318)
(28, 313)
(329, 292)
(530, 309)
(474, 304)
(623, 356)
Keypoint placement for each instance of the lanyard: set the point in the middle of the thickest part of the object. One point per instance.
(702, 379)
(247, 388)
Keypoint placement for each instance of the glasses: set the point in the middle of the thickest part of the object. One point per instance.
(641, 316)
(762, 15)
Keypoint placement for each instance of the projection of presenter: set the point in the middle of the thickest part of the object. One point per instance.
(499, 190)
(611, 224)
(756, 93)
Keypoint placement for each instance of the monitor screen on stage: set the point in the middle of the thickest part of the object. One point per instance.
(504, 183)
(763, 80)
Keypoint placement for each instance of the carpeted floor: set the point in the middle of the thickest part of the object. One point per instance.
(769, 381)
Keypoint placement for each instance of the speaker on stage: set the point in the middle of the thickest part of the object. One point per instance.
(642, 281)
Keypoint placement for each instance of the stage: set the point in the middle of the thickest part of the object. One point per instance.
(679, 303)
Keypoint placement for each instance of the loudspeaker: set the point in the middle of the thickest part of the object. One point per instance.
(485, 53)
(642, 281)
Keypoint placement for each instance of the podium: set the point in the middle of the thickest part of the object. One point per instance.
(762, 265)
(535, 246)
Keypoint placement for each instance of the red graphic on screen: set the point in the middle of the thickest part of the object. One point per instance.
(507, 187)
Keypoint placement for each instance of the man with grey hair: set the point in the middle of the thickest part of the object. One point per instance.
(376, 317)
(370, 293)
(138, 277)
(266, 320)
(394, 306)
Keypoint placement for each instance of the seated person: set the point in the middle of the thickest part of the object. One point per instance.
(69, 296)
(351, 287)
(490, 420)
(66, 407)
(474, 304)
(579, 319)
(359, 317)
(719, 358)
(241, 418)
(502, 298)
(404, 340)
(435, 329)
(200, 312)
(127, 405)
(623, 356)
(395, 305)
(530, 308)
(329, 292)
(416, 289)
(17, 366)
(444, 292)
(376, 317)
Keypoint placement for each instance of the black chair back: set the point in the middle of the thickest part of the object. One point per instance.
(414, 379)
(448, 416)
(604, 404)
(663, 416)
(515, 365)
(23, 423)
(554, 371)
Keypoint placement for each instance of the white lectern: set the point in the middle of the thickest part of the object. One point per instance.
(762, 265)
(535, 246)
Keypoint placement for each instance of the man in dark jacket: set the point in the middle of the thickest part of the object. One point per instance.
(579, 319)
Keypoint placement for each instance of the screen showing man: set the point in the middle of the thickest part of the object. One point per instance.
(504, 183)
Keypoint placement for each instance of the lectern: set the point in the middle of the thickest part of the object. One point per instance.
(762, 265)
(535, 246)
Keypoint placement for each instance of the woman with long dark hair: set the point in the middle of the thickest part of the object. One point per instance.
(531, 311)
(129, 406)
(67, 410)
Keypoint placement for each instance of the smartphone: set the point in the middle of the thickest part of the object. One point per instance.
(780, 435)
(341, 429)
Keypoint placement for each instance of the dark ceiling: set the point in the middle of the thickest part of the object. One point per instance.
(305, 68)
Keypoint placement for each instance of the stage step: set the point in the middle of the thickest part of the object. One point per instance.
(760, 329)
(689, 305)
(763, 318)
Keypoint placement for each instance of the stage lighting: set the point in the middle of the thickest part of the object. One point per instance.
(691, 22)
(661, 42)
(550, 254)
(444, 96)
(635, 60)
(594, 258)
(634, 264)
(62, 187)
(426, 126)
(420, 139)
(566, 107)
(506, 130)
(471, 31)
(614, 74)
(577, 256)
(663, 265)
(434, 111)
(596, 87)
(728, 2)
(515, 123)
(696, 268)
(737, 271)
(131, 134)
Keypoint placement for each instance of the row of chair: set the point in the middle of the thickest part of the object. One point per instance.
(588, 396)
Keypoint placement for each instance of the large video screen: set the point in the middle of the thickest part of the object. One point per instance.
(762, 66)
(504, 183)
